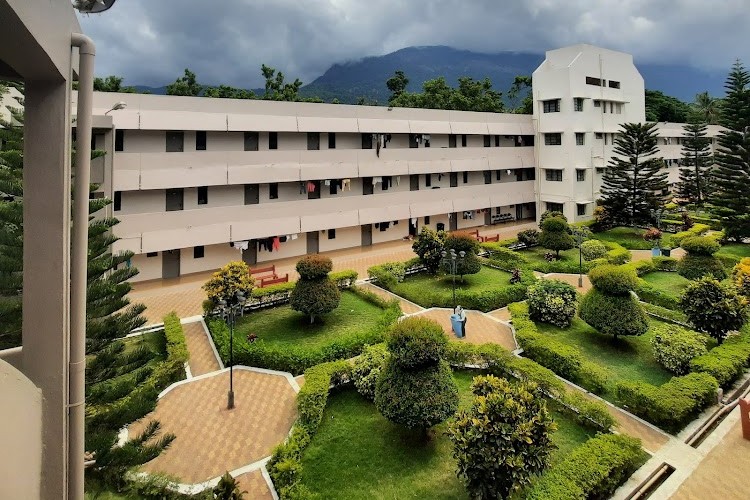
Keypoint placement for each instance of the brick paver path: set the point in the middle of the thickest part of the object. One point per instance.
(503, 314)
(406, 306)
(211, 439)
(571, 279)
(480, 328)
(202, 359)
(677, 253)
(723, 473)
(255, 485)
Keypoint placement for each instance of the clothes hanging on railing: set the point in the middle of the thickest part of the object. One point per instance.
(346, 184)
(310, 187)
(302, 188)
(276, 244)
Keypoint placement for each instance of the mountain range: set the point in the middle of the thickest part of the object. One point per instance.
(366, 77)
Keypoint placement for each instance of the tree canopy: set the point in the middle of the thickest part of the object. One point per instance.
(664, 108)
(470, 95)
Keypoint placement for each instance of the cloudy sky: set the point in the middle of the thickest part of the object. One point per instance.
(150, 42)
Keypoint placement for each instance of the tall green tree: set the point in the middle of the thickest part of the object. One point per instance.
(635, 178)
(695, 168)
(470, 95)
(185, 85)
(663, 108)
(227, 92)
(112, 83)
(396, 84)
(731, 176)
(706, 109)
(519, 95)
(277, 89)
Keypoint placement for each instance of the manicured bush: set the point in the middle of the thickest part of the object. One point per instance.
(727, 362)
(504, 258)
(416, 387)
(613, 314)
(649, 293)
(552, 301)
(503, 439)
(671, 405)
(694, 267)
(367, 369)
(613, 280)
(653, 236)
(227, 281)
(227, 489)
(528, 237)
(714, 307)
(428, 246)
(640, 267)
(700, 245)
(617, 254)
(555, 235)
(670, 315)
(593, 249)
(674, 347)
(462, 242)
(664, 263)
(741, 276)
(593, 470)
(696, 230)
(551, 213)
(387, 274)
(314, 294)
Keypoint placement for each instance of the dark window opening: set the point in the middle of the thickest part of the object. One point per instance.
(551, 106)
(119, 140)
(273, 140)
(426, 219)
(428, 180)
(175, 141)
(313, 141)
(488, 176)
(118, 201)
(554, 139)
(553, 175)
(200, 140)
(590, 80)
(581, 208)
(498, 173)
(580, 175)
(413, 141)
(497, 141)
(578, 104)
(580, 138)
(152, 254)
(366, 141)
(454, 179)
(463, 140)
(202, 195)
(554, 207)
(331, 140)
(452, 141)
(614, 85)
(487, 141)
(331, 234)
(466, 177)
(251, 141)
(199, 252)
(273, 191)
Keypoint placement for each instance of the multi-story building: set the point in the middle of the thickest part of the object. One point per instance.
(197, 182)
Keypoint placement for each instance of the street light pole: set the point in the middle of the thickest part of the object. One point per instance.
(580, 235)
(452, 259)
(236, 303)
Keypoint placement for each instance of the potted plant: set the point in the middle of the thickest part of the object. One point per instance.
(654, 236)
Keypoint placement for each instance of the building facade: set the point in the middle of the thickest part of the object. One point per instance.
(197, 182)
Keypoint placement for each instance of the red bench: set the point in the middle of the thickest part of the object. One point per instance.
(261, 270)
(489, 239)
(272, 280)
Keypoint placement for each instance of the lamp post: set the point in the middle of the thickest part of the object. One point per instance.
(231, 307)
(657, 215)
(116, 107)
(451, 259)
(580, 234)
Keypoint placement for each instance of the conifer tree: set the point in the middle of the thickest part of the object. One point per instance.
(695, 168)
(731, 176)
(634, 180)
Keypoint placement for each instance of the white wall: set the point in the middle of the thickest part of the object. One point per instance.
(215, 256)
(346, 237)
(397, 232)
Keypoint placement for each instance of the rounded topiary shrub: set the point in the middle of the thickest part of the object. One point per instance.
(674, 347)
(694, 267)
(416, 341)
(462, 242)
(314, 293)
(593, 249)
(613, 280)
(367, 369)
(613, 314)
(555, 235)
(700, 245)
(314, 266)
(552, 301)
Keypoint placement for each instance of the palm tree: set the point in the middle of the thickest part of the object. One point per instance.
(706, 108)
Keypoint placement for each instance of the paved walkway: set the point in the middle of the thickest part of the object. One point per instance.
(407, 307)
(202, 359)
(677, 253)
(571, 279)
(502, 314)
(211, 439)
(255, 485)
(481, 328)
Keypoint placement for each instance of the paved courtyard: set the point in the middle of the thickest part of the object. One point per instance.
(480, 328)
(202, 359)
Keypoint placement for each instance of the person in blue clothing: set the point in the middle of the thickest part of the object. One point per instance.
(462, 318)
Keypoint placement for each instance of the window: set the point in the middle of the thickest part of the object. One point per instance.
(202, 195)
(118, 201)
(200, 140)
(551, 106)
(313, 141)
(387, 182)
(614, 85)
(251, 141)
(152, 254)
(487, 176)
(606, 138)
(273, 191)
(331, 234)
(428, 180)
(580, 138)
(554, 207)
(463, 140)
(331, 140)
(581, 208)
(497, 141)
(597, 103)
(590, 80)
(612, 107)
(334, 186)
(427, 219)
(578, 104)
(452, 141)
(580, 175)
(599, 170)
(553, 175)
(119, 140)
(199, 252)
(366, 141)
(413, 141)
(273, 140)
(599, 135)
(466, 177)
(498, 174)
(487, 141)
(175, 141)
(252, 194)
(554, 139)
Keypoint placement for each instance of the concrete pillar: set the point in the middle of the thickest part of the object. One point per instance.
(46, 261)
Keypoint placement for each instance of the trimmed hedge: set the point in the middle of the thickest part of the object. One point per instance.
(694, 267)
(504, 258)
(613, 314)
(613, 280)
(297, 358)
(593, 470)
(671, 405)
(649, 293)
(664, 263)
(280, 292)
(566, 360)
(726, 362)
(696, 230)
(387, 274)
(673, 316)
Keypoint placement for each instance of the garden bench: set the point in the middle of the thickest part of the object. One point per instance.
(260, 270)
(490, 239)
(272, 280)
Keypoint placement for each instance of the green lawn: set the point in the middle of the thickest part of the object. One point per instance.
(535, 255)
(281, 325)
(627, 358)
(630, 238)
(739, 250)
(486, 279)
(671, 283)
(357, 453)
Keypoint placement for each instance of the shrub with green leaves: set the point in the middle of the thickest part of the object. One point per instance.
(387, 274)
(556, 235)
(727, 362)
(367, 369)
(416, 387)
(713, 307)
(504, 258)
(462, 242)
(552, 301)
(503, 439)
(664, 263)
(674, 347)
(593, 249)
(428, 246)
(528, 237)
(700, 245)
(613, 280)
(314, 293)
(613, 314)
(551, 213)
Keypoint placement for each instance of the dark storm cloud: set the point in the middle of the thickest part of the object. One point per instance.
(152, 41)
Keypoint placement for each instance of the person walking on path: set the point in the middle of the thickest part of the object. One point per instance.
(462, 318)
